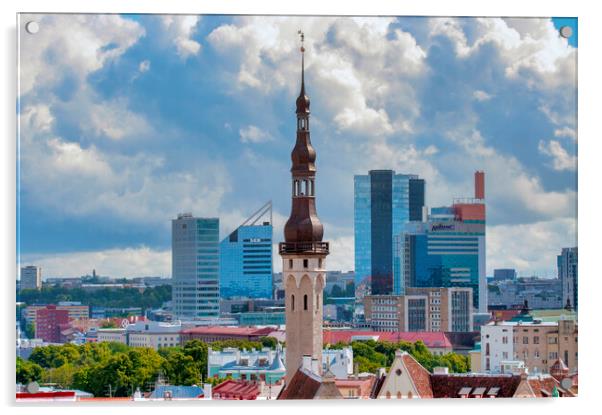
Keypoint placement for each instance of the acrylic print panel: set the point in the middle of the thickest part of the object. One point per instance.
(181, 237)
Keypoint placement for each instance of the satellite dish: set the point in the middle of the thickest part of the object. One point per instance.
(566, 383)
(32, 387)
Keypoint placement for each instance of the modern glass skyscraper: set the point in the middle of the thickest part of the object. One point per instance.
(384, 203)
(567, 273)
(195, 267)
(246, 258)
(448, 249)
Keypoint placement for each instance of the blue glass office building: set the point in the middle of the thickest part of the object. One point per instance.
(246, 258)
(195, 267)
(384, 202)
(444, 252)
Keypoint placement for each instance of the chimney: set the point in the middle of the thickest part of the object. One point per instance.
(306, 362)
(315, 366)
(207, 391)
(479, 185)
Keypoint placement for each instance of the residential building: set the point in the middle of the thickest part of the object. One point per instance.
(246, 258)
(475, 358)
(408, 379)
(31, 278)
(49, 322)
(153, 334)
(264, 365)
(75, 310)
(303, 252)
(538, 344)
(448, 249)
(383, 203)
(116, 335)
(567, 274)
(421, 309)
(356, 387)
(195, 267)
(504, 274)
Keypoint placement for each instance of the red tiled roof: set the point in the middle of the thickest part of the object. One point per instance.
(45, 395)
(236, 389)
(303, 385)
(230, 331)
(430, 339)
(419, 375)
(449, 386)
(543, 386)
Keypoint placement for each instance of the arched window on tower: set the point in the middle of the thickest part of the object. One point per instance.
(293, 302)
(305, 302)
(317, 302)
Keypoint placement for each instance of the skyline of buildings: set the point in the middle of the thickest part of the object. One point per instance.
(423, 283)
(246, 257)
(383, 203)
(195, 267)
(568, 275)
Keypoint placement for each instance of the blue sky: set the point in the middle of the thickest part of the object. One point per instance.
(126, 121)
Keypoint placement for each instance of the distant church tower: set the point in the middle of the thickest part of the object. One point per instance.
(303, 252)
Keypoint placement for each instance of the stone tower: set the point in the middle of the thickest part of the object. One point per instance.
(303, 252)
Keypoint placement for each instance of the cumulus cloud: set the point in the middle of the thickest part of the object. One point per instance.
(561, 159)
(481, 95)
(253, 134)
(565, 132)
(128, 262)
(359, 67)
(95, 182)
(71, 46)
(542, 242)
(530, 48)
(179, 30)
(144, 66)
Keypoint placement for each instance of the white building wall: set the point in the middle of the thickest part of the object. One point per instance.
(499, 339)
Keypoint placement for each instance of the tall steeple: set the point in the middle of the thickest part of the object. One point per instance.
(303, 252)
(303, 224)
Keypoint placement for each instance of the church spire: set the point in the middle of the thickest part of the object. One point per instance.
(303, 224)
(303, 99)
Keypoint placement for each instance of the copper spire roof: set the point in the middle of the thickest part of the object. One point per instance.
(303, 231)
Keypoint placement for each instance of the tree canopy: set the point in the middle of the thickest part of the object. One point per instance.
(149, 298)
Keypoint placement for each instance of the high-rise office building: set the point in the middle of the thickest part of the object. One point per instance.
(246, 258)
(384, 203)
(448, 249)
(504, 274)
(567, 273)
(31, 278)
(195, 267)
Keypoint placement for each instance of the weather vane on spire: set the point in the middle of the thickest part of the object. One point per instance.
(302, 35)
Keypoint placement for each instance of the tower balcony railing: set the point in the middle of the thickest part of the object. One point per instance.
(303, 247)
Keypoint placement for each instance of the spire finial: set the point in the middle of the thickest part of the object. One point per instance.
(302, 49)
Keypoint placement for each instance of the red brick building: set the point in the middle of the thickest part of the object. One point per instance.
(49, 323)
